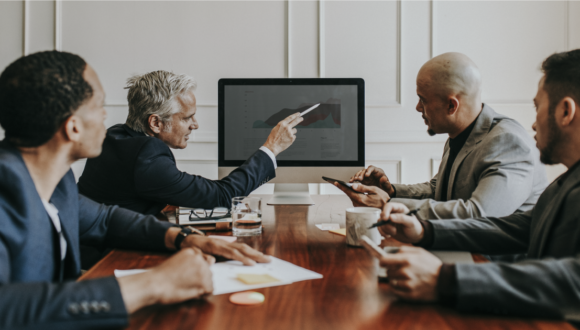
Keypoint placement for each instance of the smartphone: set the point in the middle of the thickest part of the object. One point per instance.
(346, 184)
(372, 247)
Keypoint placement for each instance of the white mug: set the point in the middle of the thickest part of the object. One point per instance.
(358, 220)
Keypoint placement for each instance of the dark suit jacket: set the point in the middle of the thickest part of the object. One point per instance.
(138, 172)
(547, 284)
(37, 289)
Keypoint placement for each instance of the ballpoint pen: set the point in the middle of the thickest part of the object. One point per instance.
(384, 222)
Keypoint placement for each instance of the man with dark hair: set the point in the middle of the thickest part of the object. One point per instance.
(51, 107)
(547, 282)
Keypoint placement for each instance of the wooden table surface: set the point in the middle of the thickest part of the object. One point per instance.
(348, 297)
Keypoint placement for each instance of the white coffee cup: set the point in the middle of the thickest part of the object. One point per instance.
(358, 220)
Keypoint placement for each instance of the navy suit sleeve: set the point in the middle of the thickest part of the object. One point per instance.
(69, 305)
(112, 226)
(157, 178)
(45, 305)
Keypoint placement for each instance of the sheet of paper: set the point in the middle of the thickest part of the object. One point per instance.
(327, 226)
(127, 272)
(454, 257)
(225, 275)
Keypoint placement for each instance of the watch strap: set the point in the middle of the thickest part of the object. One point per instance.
(186, 231)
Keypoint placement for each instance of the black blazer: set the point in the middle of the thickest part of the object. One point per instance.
(138, 172)
(37, 289)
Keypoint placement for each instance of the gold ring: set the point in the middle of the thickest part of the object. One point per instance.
(394, 282)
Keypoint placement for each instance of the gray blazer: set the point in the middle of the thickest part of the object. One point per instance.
(496, 173)
(547, 283)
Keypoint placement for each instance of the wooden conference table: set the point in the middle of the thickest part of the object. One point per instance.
(348, 297)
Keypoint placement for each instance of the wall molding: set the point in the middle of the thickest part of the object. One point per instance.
(397, 103)
(288, 40)
(25, 27)
(58, 25)
(397, 161)
(321, 39)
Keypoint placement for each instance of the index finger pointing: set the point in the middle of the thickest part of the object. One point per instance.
(295, 121)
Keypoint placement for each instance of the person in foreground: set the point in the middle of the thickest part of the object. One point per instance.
(547, 283)
(137, 170)
(51, 108)
(490, 166)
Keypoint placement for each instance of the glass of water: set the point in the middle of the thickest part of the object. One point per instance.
(246, 216)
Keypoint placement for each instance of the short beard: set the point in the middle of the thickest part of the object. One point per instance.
(553, 137)
(431, 132)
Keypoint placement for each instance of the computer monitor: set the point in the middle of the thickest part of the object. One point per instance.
(329, 142)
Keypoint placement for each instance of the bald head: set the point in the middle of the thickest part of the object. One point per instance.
(449, 90)
(451, 74)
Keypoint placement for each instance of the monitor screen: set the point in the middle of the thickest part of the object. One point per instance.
(331, 134)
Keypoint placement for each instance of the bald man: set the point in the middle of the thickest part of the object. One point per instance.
(490, 164)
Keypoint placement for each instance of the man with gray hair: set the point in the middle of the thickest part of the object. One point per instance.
(490, 165)
(137, 170)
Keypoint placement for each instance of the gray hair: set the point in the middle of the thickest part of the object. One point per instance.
(155, 93)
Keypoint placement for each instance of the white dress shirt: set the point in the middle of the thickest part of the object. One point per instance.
(53, 214)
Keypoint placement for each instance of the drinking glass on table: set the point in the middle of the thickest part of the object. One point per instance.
(246, 216)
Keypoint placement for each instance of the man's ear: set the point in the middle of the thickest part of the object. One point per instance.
(566, 111)
(453, 105)
(71, 128)
(155, 123)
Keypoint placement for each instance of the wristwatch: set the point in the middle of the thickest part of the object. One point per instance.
(186, 231)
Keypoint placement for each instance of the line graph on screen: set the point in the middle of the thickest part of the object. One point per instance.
(327, 115)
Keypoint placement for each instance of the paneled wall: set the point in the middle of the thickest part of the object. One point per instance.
(384, 42)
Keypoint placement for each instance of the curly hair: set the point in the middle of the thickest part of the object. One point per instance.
(38, 93)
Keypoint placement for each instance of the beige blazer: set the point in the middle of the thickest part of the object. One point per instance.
(496, 173)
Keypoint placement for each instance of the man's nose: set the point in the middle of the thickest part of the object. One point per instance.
(534, 126)
(194, 125)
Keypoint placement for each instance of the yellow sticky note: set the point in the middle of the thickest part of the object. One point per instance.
(252, 279)
(341, 232)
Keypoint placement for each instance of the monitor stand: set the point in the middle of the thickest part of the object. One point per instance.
(291, 194)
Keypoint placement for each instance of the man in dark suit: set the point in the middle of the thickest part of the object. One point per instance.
(547, 282)
(51, 108)
(137, 170)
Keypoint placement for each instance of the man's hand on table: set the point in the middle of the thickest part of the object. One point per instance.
(236, 251)
(413, 272)
(376, 177)
(184, 276)
(402, 227)
(365, 195)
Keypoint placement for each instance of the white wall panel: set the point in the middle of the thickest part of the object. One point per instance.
(11, 31)
(207, 40)
(507, 39)
(303, 33)
(384, 42)
(574, 24)
(361, 40)
(41, 26)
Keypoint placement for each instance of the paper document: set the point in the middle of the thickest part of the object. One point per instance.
(225, 275)
(127, 272)
(327, 226)
(454, 257)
